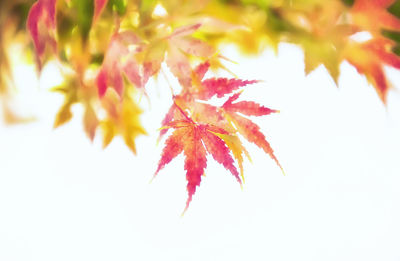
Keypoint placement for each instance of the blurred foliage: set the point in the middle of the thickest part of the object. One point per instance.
(107, 50)
(13, 16)
(110, 48)
(81, 33)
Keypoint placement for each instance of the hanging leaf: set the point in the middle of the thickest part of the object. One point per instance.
(98, 9)
(41, 24)
(200, 127)
(195, 140)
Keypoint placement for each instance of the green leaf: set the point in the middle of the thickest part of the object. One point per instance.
(119, 6)
(64, 27)
(394, 9)
(348, 2)
(85, 10)
(396, 50)
(147, 5)
(393, 35)
(146, 8)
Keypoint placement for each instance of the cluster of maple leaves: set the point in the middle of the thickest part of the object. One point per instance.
(201, 128)
(113, 47)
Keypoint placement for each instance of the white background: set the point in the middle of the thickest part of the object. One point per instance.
(64, 198)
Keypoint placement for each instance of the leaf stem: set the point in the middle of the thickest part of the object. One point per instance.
(183, 113)
(168, 82)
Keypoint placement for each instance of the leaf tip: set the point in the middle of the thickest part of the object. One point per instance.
(153, 178)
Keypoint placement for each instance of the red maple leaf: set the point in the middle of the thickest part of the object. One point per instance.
(200, 127)
(41, 24)
(98, 9)
(113, 67)
(369, 58)
(195, 141)
(246, 127)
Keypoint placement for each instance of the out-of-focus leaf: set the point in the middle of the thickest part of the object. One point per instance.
(77, 94)
(146, 8)
(395, 9)
(180, 45)
(70, 91)
(119, 6)
(84, 16)
(115, 63)
(393, 35)
(64, 114)
(98, 9)
(369, 58)
(348, 2)
(123, 118)
(41, 23)
(90, 121)
(363, 10)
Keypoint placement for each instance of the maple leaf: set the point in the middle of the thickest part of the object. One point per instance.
(175, 48)
(321, 32)
(98, 9)
(363, 10)
(75, 94)
(173, 114)
(369, 58)
(207, 113)
(248, 108)
(149, 58)
(195, 141)
(203, 89)
(200, 127)
(246, 127)
(123, 118)
(64, 114)
(153, 57)
(41, 24)
(221, 87)
(90, 120)
(325, 50)
(238, 150)
(206, 89)
(181, 44)
(110, 73)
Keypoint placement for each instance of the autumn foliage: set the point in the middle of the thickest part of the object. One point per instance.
(109, 49)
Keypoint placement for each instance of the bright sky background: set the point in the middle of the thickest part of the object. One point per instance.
(64, 198)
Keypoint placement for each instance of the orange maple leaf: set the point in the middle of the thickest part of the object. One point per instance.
(363, 10)
(369, 58)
